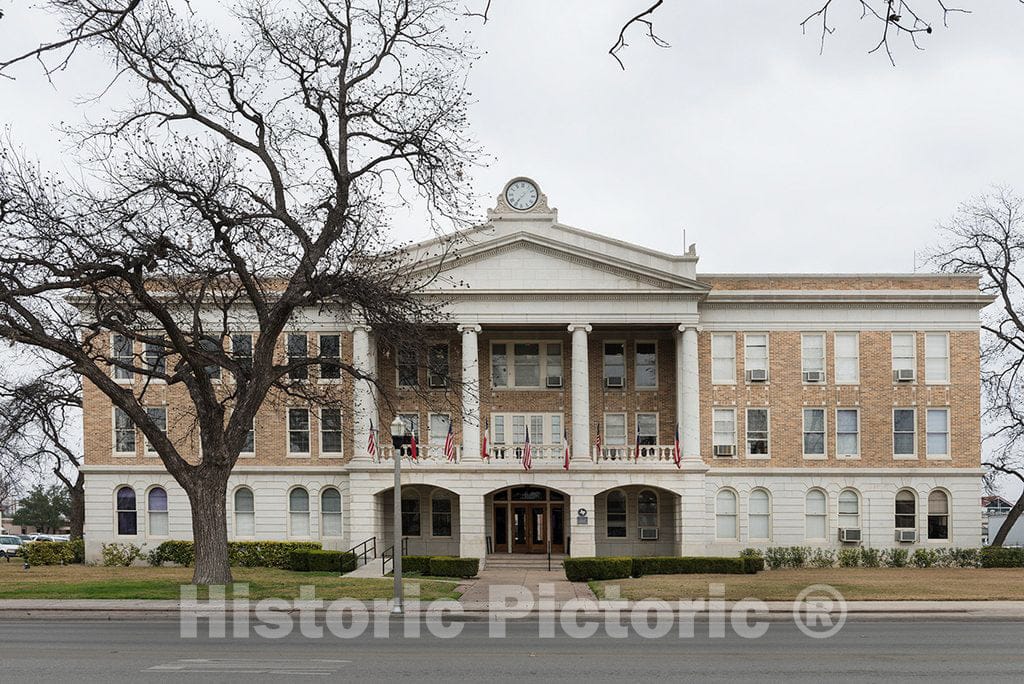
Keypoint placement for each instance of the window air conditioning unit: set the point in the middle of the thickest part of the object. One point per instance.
(613, 382)
(814, 376)
(849, 534)
(906, 536)
(757, 375)
(904, 375)
(648, 533)
(725, 450)
(437, 381)
(554, 382)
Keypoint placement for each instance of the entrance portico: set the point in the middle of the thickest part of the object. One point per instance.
(527, 519)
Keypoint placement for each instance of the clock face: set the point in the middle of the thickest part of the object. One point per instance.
(521, 195)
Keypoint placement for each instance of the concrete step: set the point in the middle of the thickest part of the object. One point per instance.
(522, 562)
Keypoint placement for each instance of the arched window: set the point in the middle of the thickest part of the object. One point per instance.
(759, 515)
(156, 506)
(617, 514)
(816, 515)
(330, 513)
(245, 513)
(725, 515)
(127, 517)
(906, 510)
(647, 508)
(938, 515)
(298, 512)
(440, 515)
(849, 509)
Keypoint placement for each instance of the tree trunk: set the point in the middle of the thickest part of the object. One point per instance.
(76, 519)
(208, 499)
(1011, 518)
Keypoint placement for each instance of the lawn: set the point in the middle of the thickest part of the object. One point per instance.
(856, 584)
(94, 582)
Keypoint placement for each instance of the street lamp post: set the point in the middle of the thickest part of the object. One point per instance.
(397, 437)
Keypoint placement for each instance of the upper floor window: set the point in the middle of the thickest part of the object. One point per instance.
(814, 432)
(847, 358)
(545, 428)
(123, 355)
(904, 432)
(438, 429)
(526, 364)
(847, 432)
(330, 430)
(723, 358)
(298, 352)
(155, 356)
(757, 432)
(412, 426)
(812, 356)
(904, 353)
(937, 436)
(614, 364)
(437, 366)
(647, 429)
(298, 431)
(646, 364)
(158, 416)
(616, 514)
(124, 432)
(755, 355)
(936, 358)
(241, 349)
(330, 357)
(615, 429)
(724, 433)
(249, 447)
(408, 367)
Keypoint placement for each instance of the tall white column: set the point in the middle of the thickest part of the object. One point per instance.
(472, 536)
(470, 393)
(580, 393)
(362, 393)
(688, 392)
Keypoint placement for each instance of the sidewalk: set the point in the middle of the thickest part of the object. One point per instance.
(476, 593)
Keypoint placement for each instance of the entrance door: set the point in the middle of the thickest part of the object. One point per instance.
(529, 528)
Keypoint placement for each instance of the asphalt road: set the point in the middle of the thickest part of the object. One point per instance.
(132, 650)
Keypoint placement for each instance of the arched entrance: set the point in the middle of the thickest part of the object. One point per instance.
(527, 519)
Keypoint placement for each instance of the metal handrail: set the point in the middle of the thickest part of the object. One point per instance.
(389, 555)
(369, 550)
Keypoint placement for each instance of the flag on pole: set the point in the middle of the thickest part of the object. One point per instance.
(636, 451)
(599, 440)
(676, 456)
(527, 452)
(371, 443)
(483, 446)
(414, 452)
(449, 443)
(565, 448)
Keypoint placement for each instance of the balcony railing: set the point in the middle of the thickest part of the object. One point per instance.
(653, 453)
(424, 452)
(541, 454)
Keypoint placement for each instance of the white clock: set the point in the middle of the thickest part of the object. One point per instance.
(521, 194)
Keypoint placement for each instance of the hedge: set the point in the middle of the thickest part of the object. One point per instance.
(317, 560)
(583, 569)
(249, 554)
(689, 565)
(417, 564)
(53, 553)
(450, 566)
(998, 557)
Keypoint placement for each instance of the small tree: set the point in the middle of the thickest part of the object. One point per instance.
(44, 509)
(986, 236)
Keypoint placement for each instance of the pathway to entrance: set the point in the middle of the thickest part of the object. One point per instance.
(522, 571)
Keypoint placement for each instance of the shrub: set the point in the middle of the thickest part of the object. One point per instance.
(798, 556)
(178, 552)
(963, 558)
(53, 553)
(849, 558)
(318, 560)
(121, 555)
(998, 557)
(871, 558)
(609, 567)
(688, 565)
(823, 558)
(924, 558)
(449, 566)
(416, 564)
(776, 557)
(895, 558)
(247, 554)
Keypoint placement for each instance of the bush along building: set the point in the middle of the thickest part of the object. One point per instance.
(589, 396)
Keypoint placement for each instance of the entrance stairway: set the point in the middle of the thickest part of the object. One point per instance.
(522, 561)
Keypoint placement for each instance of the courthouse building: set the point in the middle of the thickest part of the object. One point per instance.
(818, 410)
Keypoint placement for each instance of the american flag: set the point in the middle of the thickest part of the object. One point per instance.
(483, 447)
(449, 444)
(527, 452)
(371, 443)
(636, 454)
(676, 456)
(599, 440)
(565, 448)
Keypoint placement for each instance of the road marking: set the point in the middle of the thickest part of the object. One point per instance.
(249, 666)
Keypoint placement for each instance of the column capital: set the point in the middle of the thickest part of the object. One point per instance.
(469, 328)
(683, 327)
(585, 327)
(359, 326)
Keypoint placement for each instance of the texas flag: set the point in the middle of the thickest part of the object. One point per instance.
(483, 447)
(636, 452)
(527, 452)
(565, 448)
(414, 451)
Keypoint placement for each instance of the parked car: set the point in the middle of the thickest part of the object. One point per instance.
(24, 537)
(10, 545)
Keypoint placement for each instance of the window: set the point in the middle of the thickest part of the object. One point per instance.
(330, 357)
(155, 357)
(249, 447)
(499, 365)
(814, 432)
(440, 516)
(124, 432)
(614, 364)
(646, 364)
(245, 513)
(725, 515)
(936, 358)
(437, 366)
(408, 368)
(760, 515)
(904, 434)
(904, 351)
(816, 515)
(724, 433)
(847, 432)
(647, 428)
(123, 355)
(330, 430)
(757, 432)
(615, 429)
(812, 353)
(298, 352)
(298, 512)
(530, 362)
(241, 350)
(937, 432)
(211, 347)
(938, 515)
(410, 516)
(553, 365)
(157, 509)
(723, 358)
(330, 512)
(849, 509)
(906, 510)
(438, 432)
(647, 508)
(847, 359)
(616, 514)
(526, 364)
(755, 351)
(158, 416)
(412, 427)
(298, 431)
(498, 434)
(127, 516)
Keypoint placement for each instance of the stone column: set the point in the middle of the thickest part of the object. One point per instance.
(580, 393)
(362, 394)
(688, 392)
(470, 395)
(584, 538)
(472, 532)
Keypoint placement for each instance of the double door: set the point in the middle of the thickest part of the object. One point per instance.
(530, 527)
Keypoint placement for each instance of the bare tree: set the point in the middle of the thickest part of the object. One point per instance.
(248, 186)
(986, 236)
